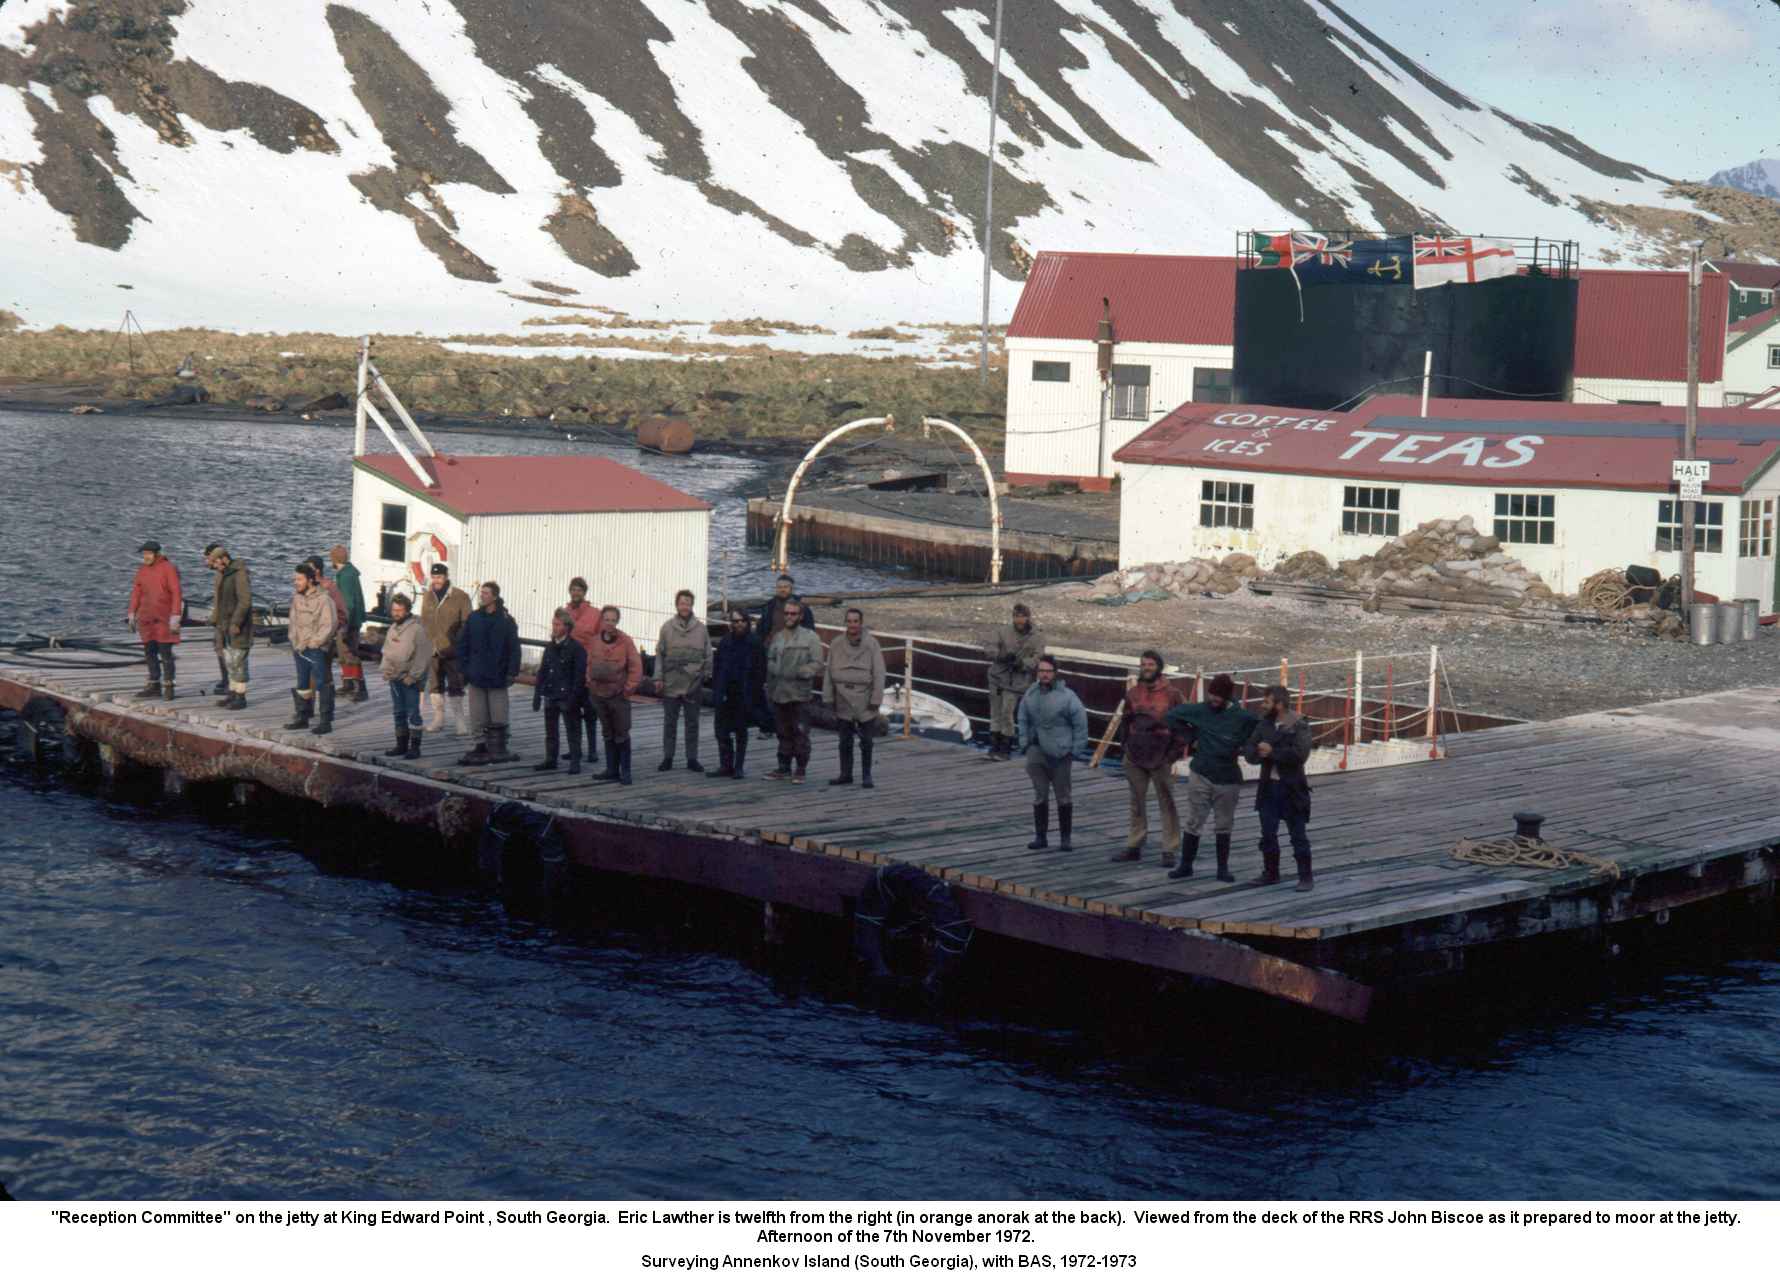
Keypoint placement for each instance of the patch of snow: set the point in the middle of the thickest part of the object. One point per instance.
(1231, 28)
(1281, 72)
(44, 94)
(19, 14)
(577, 351)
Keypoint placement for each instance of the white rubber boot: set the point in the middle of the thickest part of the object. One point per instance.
(435, 715)
(460, 718)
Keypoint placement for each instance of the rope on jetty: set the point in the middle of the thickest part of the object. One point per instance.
(1518, 850)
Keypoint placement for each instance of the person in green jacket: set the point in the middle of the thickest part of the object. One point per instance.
(793, 658)
(346, 579)
(1219, 730)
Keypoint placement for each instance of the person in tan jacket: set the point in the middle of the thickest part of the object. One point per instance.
(444, 610)
(682, 664)
(853, 688)
(614, 669)
(407, 661)
(313, 623)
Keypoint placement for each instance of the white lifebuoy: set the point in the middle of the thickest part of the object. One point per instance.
(426, 549)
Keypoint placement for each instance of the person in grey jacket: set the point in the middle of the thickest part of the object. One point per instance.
(793, 658)
(682, 665)
(1053, 732)
(1281, 744)
(407, 659)
(853, 688)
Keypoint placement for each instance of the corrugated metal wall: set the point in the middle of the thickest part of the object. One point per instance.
(635, 561)
(370, 493)
(1053, 427)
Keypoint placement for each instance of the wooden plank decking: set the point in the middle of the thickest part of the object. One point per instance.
(1677, 785)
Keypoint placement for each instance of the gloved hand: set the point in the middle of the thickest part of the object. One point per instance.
(130, 622)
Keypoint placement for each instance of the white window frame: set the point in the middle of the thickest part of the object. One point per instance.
(1774, 357)
(1371, 506)
(383, 532)
(1755, 528)
(1226, 505)
(1705, 531)
(1506, 519)
(1130, 400)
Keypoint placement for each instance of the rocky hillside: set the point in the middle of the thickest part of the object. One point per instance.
(461, 165)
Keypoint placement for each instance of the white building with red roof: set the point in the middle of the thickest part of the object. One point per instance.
(531, 523)
(1569, 488)
(1752, 357)
(1172, 327)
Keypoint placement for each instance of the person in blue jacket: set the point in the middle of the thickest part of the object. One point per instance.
(488, 658)
(1053, 734)
(738, 677)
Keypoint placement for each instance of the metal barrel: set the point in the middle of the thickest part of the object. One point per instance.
(1702, 622)
(1751, 616)
(1730, 622)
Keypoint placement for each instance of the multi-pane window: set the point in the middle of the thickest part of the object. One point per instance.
(1369, 510)
(394, 545)
(1774, 357)
(1130, 392)
(1057, 372)
(1708, 526)
(1212, 384)
(1230, 504)
(1755, 536)
(1526, 519)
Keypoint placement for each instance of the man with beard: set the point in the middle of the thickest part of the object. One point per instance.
(1150, 753)
(614, 670)
(443, 612)
(1219, 730)
(155, 611)
(1013, 655)
(738, 672)
(584, 624)
(682, 662)
(1280, 745)
(231, 615)
(1053, 734)
(853, 688)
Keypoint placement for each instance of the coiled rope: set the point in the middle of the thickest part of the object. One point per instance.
(1519, 850)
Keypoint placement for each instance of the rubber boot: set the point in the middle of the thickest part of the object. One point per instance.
(1189, 849)
(477, 755)
(401, 747)
(500, 751)
(1041, 823)
(1269, 867)
(305, 710)
(846, 778)
(624, 763)
(994, 747)
(865, 764)
(359, 693)
(324, 723)
(414, 744)
(783, 771)
(592, 727)
(151, 690)
(167, 692)
(1224, 860)
(1305, 881)
(611, 770)
(1065, 824)
(741, 755)
(435, 716)
(235, 701)
(460, 716)
(725, 758)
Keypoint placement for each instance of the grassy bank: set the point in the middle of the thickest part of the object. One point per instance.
(754, 391)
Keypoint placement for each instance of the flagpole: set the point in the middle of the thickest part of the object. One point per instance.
(989, 193)
(1693, 418)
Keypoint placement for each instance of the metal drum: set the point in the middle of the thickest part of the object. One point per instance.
(1702, 623)
(1730, 622)
(1751, 617)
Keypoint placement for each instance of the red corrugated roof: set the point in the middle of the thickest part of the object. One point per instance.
(1632, 325)
(1755, 322)
(1605, 414)
(483, 485)
(1752, 274)
(1508, 445)
(1177, 300)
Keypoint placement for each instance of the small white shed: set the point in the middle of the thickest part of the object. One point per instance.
(532, 523)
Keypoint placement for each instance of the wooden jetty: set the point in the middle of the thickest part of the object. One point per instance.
(1674, 800)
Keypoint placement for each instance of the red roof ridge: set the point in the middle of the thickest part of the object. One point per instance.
(493, 485)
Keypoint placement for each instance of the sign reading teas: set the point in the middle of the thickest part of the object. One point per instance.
(1378, 446)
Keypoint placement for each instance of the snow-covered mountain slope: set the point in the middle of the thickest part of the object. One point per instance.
(1760, 176)
(423, 165)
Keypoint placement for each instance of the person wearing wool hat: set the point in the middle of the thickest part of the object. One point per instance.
(1219, 730)
(154, 615)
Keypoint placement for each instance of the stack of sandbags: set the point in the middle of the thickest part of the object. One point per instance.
(1160, 580)
(1445, 560)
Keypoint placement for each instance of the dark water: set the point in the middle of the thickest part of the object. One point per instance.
(193, 1005)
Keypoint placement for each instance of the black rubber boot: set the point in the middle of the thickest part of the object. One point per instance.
(414, 744)
(1224, 860)
(401, 747)
(624, 762)
(1065, 824)
(167, 692)
(498, 751)
(725, 758)
(846, 778)
(994, 747)
(221, 687)
(1041, 824)
(865, 763)
(1269, 868)
(359, 693)
(233, 702)
(667, 763)
(1306, 881)
(324, 723)
(741, 755)
(479, 754)
(305, 711)
(545, 765)
(151, 690)
(592, 728)
(1189, 849)
(610, 774)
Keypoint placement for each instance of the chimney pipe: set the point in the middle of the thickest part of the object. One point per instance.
(1104, 339)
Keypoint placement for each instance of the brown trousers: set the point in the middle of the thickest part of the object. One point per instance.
(793, 727)
(613, 715)
(1140, 780)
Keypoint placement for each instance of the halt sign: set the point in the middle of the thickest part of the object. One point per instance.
(1691, 476)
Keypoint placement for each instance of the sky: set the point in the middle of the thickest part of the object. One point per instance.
(1686, 87)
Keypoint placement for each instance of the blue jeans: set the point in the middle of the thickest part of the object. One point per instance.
(405, 700)
(315, 668)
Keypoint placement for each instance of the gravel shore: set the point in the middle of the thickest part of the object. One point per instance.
(1496, 666)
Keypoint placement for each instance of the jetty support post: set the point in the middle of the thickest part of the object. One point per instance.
(1433, 702)
(908, 686)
